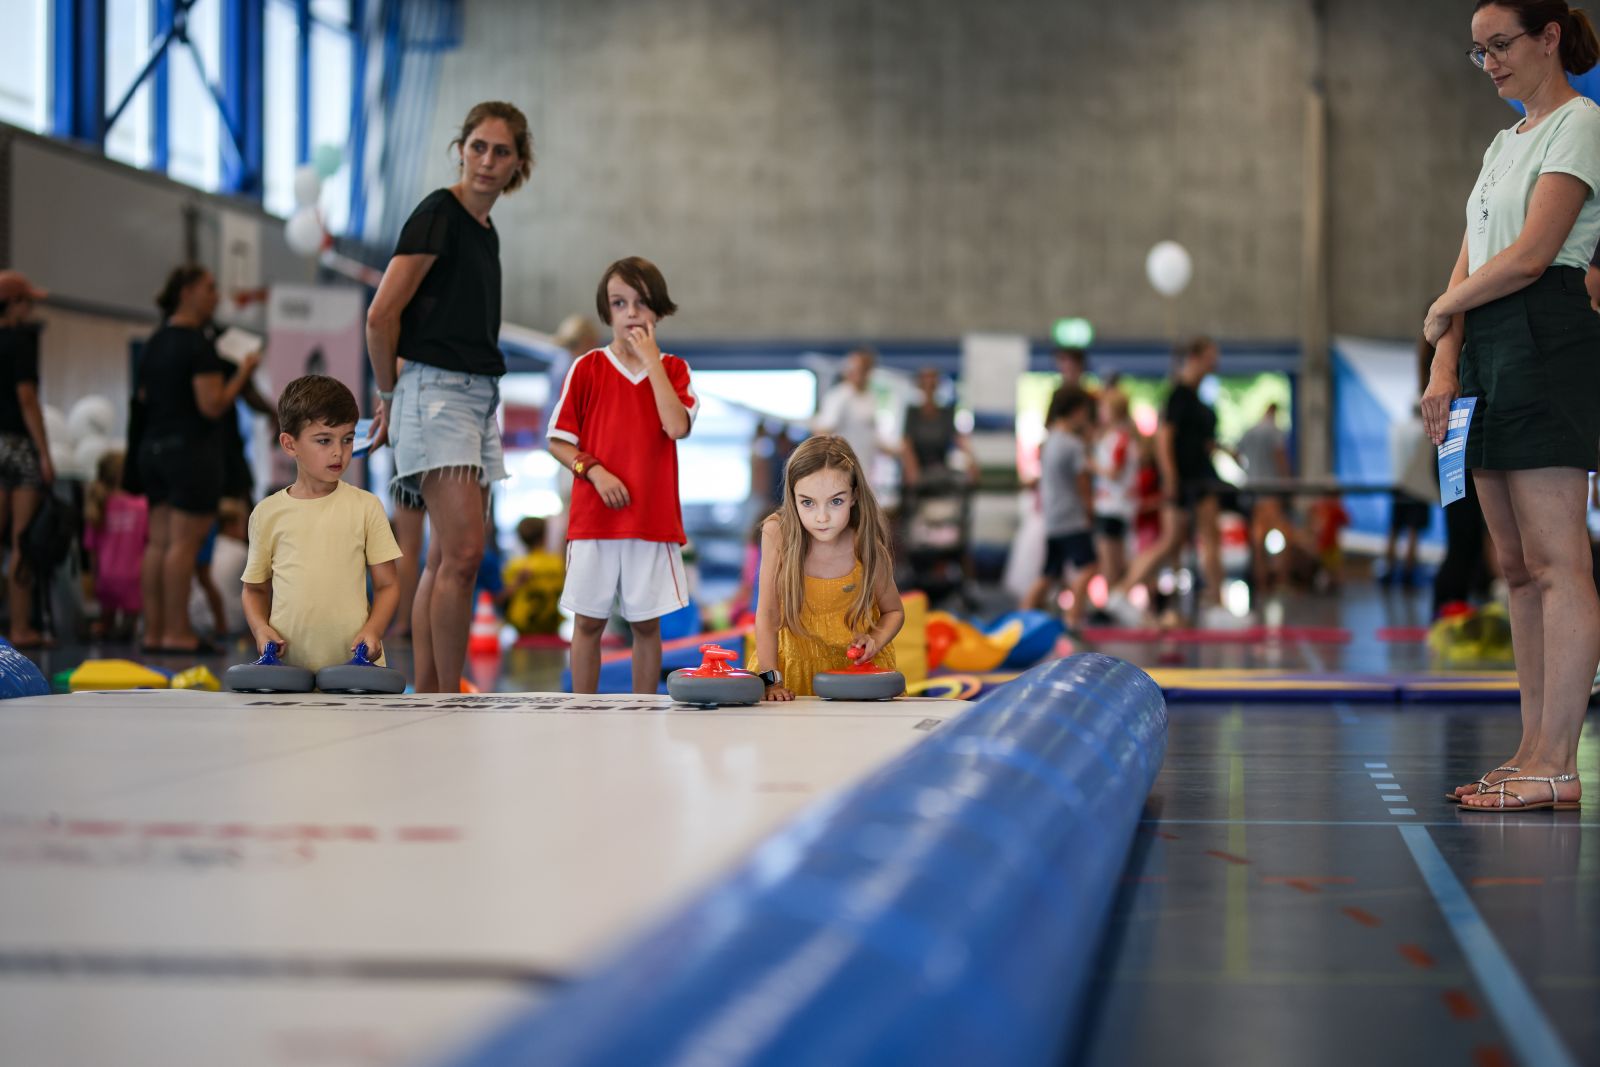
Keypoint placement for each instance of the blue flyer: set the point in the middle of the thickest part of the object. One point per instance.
(1453, 451)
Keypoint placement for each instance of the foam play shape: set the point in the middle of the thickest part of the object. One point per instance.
(269, 674)
(117, 674)
(360, 675)
(715, 681)
(19, 675)
(1040, 631)
(957, 645)
(860, 681)
(197, 678)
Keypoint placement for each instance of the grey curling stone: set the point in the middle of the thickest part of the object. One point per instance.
(848, 685)
(686, 687)
(360, 675)
(269, 674)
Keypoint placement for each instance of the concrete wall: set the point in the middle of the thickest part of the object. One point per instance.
(839, 168)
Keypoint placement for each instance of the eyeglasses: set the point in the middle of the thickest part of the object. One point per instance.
(1479, 56)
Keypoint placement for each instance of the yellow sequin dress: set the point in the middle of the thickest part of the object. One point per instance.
(823, 614)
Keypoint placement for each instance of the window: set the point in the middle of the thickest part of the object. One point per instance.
(332, 74)
(281, 63)
(129, 29)
(25, 65)
(195, 132)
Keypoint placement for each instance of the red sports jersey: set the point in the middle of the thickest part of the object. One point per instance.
(611, 414)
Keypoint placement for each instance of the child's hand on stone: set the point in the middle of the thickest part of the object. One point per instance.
(868, 646)
(778, 692)
(266, 635)
(374, 642)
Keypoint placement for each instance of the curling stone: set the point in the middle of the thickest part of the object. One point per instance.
(861, 681)
(269, 674)
(715, 681)
(360, 675)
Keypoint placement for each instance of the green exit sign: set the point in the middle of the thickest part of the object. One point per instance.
(1073, 333)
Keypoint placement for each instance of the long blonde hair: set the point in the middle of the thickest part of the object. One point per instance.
(830, 452)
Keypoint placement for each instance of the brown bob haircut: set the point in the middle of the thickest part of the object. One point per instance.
(644, 278)
(316, 398)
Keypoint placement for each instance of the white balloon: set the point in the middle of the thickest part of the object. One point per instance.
(307, 185)
(1169, 268)
(92, 416)
(55, 426)
(303, 232)
(86, 454)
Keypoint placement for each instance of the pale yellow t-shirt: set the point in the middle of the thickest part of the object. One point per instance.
(316, 554)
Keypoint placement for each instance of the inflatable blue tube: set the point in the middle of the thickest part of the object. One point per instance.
(945, 911)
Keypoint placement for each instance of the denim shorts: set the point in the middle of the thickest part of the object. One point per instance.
(443, 420)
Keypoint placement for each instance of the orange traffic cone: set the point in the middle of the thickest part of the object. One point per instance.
(484, 637)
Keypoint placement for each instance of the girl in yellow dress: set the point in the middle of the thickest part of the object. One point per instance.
(827, 572)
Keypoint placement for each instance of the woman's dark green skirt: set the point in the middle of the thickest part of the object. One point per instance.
(1533, 361)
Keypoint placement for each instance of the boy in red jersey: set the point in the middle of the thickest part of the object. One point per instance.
(616, 425)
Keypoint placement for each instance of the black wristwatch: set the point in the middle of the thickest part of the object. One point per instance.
(770, 678)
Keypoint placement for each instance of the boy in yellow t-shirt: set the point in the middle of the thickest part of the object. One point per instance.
(531, 585)
(313, 544)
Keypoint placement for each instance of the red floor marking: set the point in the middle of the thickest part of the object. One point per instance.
(1490, 1056)
(1312, 880)
(429, 833)
(1417, 956)
(1507, 881)
(97, 828)
(1460, 1005)
(1365, 918)
(1164, 835)
(172, 829)
(1402, 633)
(1230, 857)
(1302, 885)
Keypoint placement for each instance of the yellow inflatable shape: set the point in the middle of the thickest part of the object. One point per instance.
(116, 674)
(197, 678)
(970, 650)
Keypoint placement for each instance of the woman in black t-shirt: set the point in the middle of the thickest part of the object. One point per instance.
(1190, 500)
(438, 308)
(25, 470)
(182, 388)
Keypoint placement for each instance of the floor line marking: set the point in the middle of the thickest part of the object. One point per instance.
(1402, 811)
(1380, 774)
(1522, 1020)
(1377, 766)
(1508, 821)
(1396, 798)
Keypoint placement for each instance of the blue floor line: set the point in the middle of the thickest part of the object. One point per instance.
(1340, 822)
(1526, 1027)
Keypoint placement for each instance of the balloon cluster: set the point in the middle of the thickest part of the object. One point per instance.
(303, 231)
(80, 437)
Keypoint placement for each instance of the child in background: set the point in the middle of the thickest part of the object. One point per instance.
(1065, 491)
(223, 567)
(115, 526)
(314, 544)
(1328, 517)
(530, 593)
(827, 573)
(616, 426)
(1116, 475)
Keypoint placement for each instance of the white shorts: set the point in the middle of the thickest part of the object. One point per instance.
(648, 575)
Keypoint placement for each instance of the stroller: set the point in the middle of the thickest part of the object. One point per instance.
(935, 534)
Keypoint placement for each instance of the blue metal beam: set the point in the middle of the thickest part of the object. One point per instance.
(302, 101)
(171, 26)
(357, 224)
(243, 95)
(79, 80)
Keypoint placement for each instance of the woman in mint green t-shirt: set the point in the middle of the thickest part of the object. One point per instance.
(1515, 331)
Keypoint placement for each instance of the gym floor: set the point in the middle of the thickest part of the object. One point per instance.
(1299, 888)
